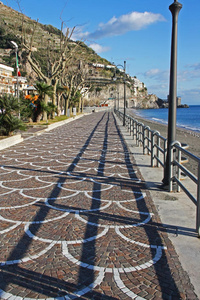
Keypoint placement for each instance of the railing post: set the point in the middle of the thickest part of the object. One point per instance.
(172, 158)
(144, 138)
(171, 168)
(137, 125)
(148, 142)
(141, 140)
(153, 133)
(158, 150)
(131, 125)
(165, 151)
(152, 148)
(134, 129)
(198, 203)
(178, 171)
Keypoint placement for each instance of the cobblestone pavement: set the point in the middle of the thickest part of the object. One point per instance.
(76, 220)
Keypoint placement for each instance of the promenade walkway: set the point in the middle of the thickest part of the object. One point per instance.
(77, 220)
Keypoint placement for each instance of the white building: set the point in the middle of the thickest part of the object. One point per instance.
(8, 83)
(138, 85)
(22, 84)
(6, 80)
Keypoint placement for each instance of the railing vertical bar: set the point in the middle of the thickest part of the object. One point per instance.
(198, 203)
(158, 151)
(178, 171)
(171, 169)
(144, 138)
(148, 139)
(137, 134)
(152, 147)
(157, 148)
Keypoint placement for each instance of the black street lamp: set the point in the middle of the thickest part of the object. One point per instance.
(124, 79)
(17, 68)
(124, 93)
(174, 8)
(118, 97)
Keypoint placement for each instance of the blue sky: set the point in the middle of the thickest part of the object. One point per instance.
(138, 31)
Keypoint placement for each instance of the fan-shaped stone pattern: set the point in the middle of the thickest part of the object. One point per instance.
(77, 220)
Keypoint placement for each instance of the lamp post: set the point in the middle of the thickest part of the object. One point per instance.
(174, 8)
(17, 68)
(124, 93)
(124, 79)
(118, 97)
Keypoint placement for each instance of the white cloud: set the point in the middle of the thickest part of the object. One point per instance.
(98, 48)
(78, 33)
(190, 96)
(191, 72)
(194, 66)
(121, 25)
(158, 75)
(125, 23)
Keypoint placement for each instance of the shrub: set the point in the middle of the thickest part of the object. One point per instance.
(9, 107)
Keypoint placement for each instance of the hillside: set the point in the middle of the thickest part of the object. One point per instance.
(47, 42)
(17, 26)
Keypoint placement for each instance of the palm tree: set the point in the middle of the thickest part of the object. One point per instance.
(9, 108)
(43, 89)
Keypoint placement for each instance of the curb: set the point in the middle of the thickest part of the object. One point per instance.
(10, 141)
(13, 140)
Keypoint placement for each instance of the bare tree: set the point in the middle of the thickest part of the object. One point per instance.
(75, 77)
(56, 52)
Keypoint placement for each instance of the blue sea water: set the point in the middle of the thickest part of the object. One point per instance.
(187, 118)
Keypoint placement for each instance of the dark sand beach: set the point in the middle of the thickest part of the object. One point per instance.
(191, 138)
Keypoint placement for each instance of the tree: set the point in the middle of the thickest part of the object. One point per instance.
(9, 107)
(60, 91)
(75, 78)
(56, 53)
(44, 91)
(34, 106)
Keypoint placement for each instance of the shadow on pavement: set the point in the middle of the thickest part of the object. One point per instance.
(51, 286)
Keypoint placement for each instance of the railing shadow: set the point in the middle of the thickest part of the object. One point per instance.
(29, 279)
(54, 287)
(154, 239)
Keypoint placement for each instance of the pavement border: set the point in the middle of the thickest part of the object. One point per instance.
(11, 141)
(18, 138)
(176, 210)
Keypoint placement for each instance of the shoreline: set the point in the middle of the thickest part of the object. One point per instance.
(194, 131)
(190, 137)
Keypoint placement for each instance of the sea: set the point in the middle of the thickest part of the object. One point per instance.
(187, 118)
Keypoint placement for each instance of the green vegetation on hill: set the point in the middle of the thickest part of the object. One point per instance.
(15, 26)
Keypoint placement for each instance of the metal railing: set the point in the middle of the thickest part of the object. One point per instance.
(178, 170)
(152, 142)
(155, 145)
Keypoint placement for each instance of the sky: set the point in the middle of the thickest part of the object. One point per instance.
(135, 31)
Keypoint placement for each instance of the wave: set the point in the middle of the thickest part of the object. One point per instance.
(187, 119)
(191, 128)
(159, 120)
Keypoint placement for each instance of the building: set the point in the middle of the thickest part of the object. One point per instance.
(6, 80)
(137, 85)
(22, 85)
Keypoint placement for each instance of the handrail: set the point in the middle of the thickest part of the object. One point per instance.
(145, 137)
(155, 145)
(186, 172)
